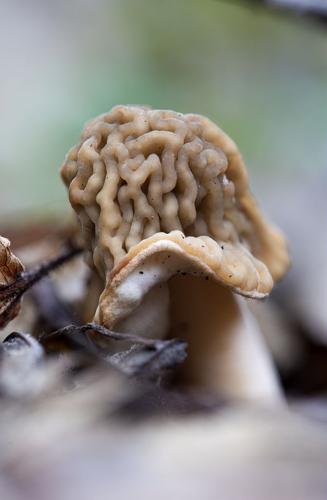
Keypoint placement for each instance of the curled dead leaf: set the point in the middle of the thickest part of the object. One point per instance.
(10, 268)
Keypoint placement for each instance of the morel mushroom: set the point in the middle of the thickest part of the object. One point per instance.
(169, 224)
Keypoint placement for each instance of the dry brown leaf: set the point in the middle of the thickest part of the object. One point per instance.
(10, 267)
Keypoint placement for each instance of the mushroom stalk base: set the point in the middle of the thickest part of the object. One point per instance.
(226, 352)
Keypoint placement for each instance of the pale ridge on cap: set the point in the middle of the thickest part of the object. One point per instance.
(138, 173)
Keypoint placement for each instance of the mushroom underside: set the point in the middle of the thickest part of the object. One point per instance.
(168, 293)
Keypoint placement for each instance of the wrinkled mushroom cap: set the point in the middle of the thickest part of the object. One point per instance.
(169, 223)
(141, 176)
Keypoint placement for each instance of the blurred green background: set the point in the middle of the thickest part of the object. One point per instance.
(261, 76)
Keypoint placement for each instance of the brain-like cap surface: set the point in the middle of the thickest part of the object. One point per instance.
(138, 172)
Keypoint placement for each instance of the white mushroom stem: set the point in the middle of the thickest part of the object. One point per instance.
(226, 351)
(165, 292)
(151, 318)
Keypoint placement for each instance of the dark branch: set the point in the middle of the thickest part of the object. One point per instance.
(104, 332)
(11, 294)
(312, 9)
(146, 358)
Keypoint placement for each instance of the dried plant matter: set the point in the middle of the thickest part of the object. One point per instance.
(138, 172)
(21, 375)
(10, 268)
(18, 282)
(146, 357)
(10, 265)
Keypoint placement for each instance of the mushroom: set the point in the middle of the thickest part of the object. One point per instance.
(169, 224)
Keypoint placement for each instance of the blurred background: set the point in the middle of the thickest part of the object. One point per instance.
(261, 75)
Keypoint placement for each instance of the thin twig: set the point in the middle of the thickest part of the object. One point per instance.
(311, 9)
(10, 294)
(147, 358)
(88, 327)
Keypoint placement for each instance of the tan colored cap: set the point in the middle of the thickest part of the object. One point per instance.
(140, 174)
